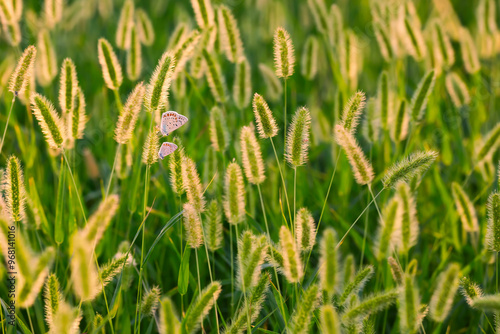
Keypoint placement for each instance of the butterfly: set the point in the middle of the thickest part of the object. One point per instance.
(170, 121)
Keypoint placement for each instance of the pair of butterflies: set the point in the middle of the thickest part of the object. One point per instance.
(170, 121)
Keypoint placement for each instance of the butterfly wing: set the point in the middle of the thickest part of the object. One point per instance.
(166, 149)
(170, 121)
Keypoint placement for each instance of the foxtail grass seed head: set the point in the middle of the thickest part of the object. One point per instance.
(292, 264)
(192, 223)
(185, 51)
(370, 305)
(68, 86)
(213, 227)
(192, 184)
(396, 270)
(52, 126)
(252, 251)
(229, 34)
(214, 77)
(493, 229)
(297, 139)
(219, 133)
(251, 154)
(204, 13)
(111, 69)
(198, 65)
(489, 303)
(362, 169)
(53, 12)
(76, 120)
(66, 320)
(284, 58)
(274, 88)
(409, 221)
(124, 161)
(384, 99)
(175, 165)
(305, 230)
(145, 30)
(465, 208)
(457, 90)
(125, 23)
(266, 124)
(24, 69)
(46, 64)
(309, 61)
(414, 165)
(489, 145)
(128, 117)
(357, 283)
(352, 112)
(199, 309)
(412, 38)
(159, 84)
(409, 304)
(329, 320)
(421, 95)
(301, 319)
(14, 190)
(443, 44)
(151, 148)
(385, 43)
(320, 15)
(84, 274)
(388, 236)
(169, 321)
(444, 293)
(134, 55)
(242, 87)
(329, 271)
(401, 123)
(234, 194)
(99, 221)
(469, 53)
(150, 301)
(470, 290)
(53, 298)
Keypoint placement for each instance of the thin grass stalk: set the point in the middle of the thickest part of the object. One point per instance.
(7, 122)
(283, 181)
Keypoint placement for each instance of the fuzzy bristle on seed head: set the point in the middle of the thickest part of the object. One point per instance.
(370, 305)
(266, 124)
(168, 322)
(489, 145)
(444, 293)
(273, 84)
(329, 320)
(252, 252)
(409, 303)
(52, 12)
(52, 126)
(68, 86)
(76, 120)
(159, 84)
(175, 167)
(151, 148)
(204, 13)
(493, 228)
(301, 318)
(284, 58)
(465, 208)
(125, 23)
(150, 301)
(469, 53)
(24, 69)
(229, 33)
(192, 223)
(200, 307)
(357, 283)
(214, 77)
(53, 298)
(329, 272)
(192, 184)
(309, 61)
(242, 87)
(421, 96)
(297, 139)
(292, 265)
(145, 30)
(134, 55)
(13, 186)
(66, 320)
(457, 90)
(389, 236)
(128, 117)
(352, 112)
(234, 194)
(470, 290)
(99, 221)
(305, 230)
(213, 226)
(111, 69)
(253, 164)
(362, 169)
(46, 64)
(415, 164)
(219, 134)
(409, 221)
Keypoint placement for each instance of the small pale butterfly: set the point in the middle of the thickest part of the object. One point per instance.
(170, 121)
(166, 149)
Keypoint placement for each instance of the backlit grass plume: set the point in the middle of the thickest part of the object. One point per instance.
(198, 65)
(46, 64)
(53, 12)
(320, 14)
(444, 293)
(370, 305)
(292, 265)
(493, 228)
(242, 87)
(357, 283)
(457, 89)
(52, 126)
(213, 226)
(490, 144)
(284, 58)
(273, 84)
(192, 223)
(66, 320)
(490, 303)
(99, 221)
(469, 52)
(76, 120)
(329, 272)
(111, 69)
(219, 134)
(329, 320)
(383, 99)
(352, 112)
(396, 270)
(252, 252)
(14, 190)
(125, 23)
(362, 169)
(150, 301)
(192, 184)
(470, 290)
(175, 166)
(145, 30)
(443, 46)
(24, 69)
(465, 208)
(404, 170)
(234, 194)
(53, 298)
(215, 78)
(389, 235)
(229, 34)
(134, 55)
(84, 273)
(266, 124)
(409, 304)
(159, 84)
(204, 13)
(302, 316)
(200, 307)
(169, 322)
(309, 61)
(297, 139)
(409, 221)
(421, 95)
(401, 120)
(128, 117)
(411, 36)
(184, 50)
(68, 86)
(253, 164)
(151, 147)
(305, 230)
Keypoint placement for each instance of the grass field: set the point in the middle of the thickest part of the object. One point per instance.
(329, 166)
